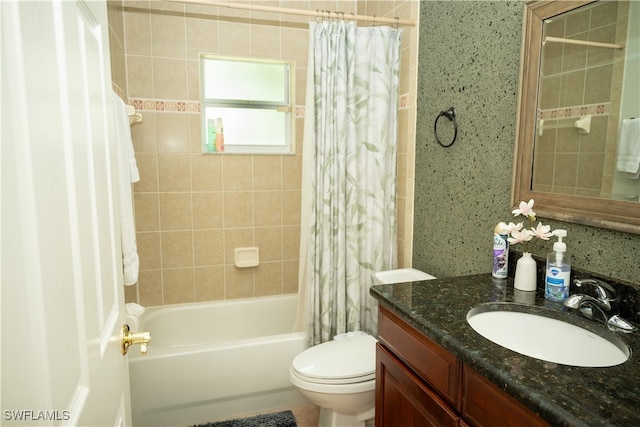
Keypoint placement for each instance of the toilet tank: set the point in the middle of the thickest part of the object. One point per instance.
(400, 275)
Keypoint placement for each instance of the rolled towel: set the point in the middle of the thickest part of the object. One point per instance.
(134, 309)
(133, 313)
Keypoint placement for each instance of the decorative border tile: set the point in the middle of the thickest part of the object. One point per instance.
(168, 105)
(141, 104)
(118, 91)
(575, 111)
(404, 100)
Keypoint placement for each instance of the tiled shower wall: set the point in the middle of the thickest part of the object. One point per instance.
(193, 210)
(579, 80)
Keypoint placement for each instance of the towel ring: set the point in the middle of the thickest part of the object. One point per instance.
(451, 115)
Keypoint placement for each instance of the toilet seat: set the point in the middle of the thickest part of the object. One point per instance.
(348, 359)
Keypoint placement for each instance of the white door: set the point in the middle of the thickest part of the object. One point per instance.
(62, 294)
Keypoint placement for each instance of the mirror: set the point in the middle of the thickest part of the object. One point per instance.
(573, 99)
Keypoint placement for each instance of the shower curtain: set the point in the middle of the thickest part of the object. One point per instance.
(349, 227)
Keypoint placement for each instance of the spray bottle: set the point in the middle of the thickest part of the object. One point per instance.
(558, 274)
(500, 251)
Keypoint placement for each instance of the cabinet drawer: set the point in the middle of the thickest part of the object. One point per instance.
(428, 360)
(484, 404)
(402, 399)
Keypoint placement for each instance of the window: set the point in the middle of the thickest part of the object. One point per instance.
(249, 103)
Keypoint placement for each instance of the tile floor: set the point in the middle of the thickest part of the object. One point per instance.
(306, 415)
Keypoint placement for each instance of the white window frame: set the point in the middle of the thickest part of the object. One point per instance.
(287, 107)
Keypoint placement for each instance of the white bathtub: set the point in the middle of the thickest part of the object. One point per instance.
(214, 361)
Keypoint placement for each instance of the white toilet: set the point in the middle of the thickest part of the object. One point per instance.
(340, 375)
(400, 276)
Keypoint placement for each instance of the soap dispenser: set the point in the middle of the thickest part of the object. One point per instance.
(558, 274)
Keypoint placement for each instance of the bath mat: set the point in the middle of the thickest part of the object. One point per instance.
(276, 419)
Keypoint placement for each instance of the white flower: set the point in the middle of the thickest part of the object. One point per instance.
(525, 209)
(520, 236)
(514, 227)
(518, 233)
(542, 231)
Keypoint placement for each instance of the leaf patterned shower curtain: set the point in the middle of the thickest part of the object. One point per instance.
(349, 224)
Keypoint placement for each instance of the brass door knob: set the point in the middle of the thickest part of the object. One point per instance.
(128, 339)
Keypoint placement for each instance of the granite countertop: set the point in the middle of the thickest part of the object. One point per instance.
(562, 395)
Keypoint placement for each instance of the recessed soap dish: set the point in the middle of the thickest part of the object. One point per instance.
(247, 257)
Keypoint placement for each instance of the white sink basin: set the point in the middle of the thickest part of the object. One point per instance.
(548, 339)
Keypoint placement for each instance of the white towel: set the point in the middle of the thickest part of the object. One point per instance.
(629, 147)
(127, 174)
(133, 312)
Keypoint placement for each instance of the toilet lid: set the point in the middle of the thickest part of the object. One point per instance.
(348, 358)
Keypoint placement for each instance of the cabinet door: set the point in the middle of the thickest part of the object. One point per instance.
(403, 399)
(485, 405)
(436, 366)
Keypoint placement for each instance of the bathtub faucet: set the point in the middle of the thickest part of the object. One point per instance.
(129, 338)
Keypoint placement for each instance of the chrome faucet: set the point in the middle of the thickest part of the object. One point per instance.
(604, 304)
(605, 293)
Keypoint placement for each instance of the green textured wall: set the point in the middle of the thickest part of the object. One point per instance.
(469, 59)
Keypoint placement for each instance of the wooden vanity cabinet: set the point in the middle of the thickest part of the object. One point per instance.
(418, 383)
(403, 399)
(484, 404)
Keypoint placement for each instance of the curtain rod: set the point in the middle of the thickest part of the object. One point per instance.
(318, 14)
